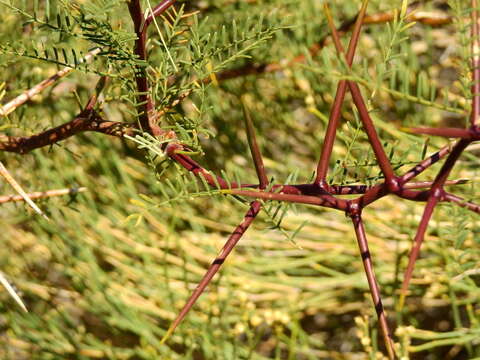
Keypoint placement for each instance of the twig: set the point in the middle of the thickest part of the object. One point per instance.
(471, 134)
(9, 107)
(42, 194)
(320, 200)
(425, 164)
(89, 121)
(156, 11)
(362, 189)
(462, 202)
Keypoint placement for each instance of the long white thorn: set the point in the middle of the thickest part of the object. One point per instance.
(4, 172)
(12, 292)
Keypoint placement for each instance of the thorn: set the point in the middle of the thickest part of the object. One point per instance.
(12, 292)
(4, 172)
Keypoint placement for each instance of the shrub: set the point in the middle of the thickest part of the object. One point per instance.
(191, 86)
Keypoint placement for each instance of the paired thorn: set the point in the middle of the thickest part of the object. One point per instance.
(335, 113)
(367, 122)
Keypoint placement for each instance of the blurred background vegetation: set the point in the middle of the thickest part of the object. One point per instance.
(105, 278)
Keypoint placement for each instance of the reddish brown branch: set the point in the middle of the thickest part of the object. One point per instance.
(157, 11)
(462, 202)
(147, 116)
(144, 98)
(362, 189)
(425, 164)
(90, 121)
(172, 150)
(320, 200)
(471, 134)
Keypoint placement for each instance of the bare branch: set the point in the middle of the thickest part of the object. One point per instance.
(27, 95)
(42, 194)
(462, 202)
(85, 121)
